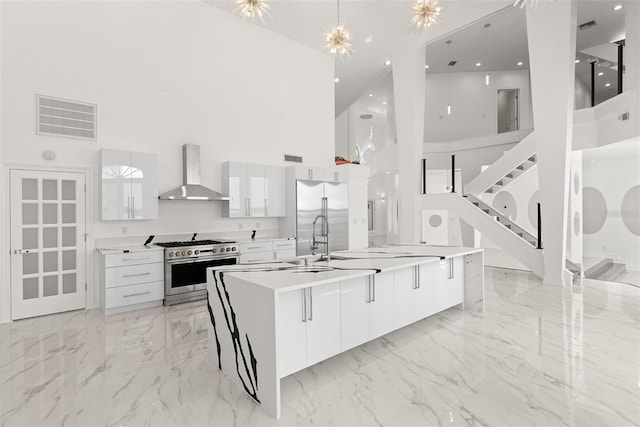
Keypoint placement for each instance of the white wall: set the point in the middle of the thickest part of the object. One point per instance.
(612, 176)
(582, 95)
(474, 104)
(164, 74)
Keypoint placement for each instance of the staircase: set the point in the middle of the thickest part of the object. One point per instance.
(512, 164)
(606, 269)
(492, 223)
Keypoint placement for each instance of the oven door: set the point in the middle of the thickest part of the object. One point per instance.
(183, 276)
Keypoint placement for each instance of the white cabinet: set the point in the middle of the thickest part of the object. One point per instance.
(128, 185)
(131, 280)
(255, 190)
(267, 250)
(309, 173)
(283, 249)
(404, 282)
(450, 283)
(355, 311)
(255, 252)
(308, 326)
(275, 181)
(419, 292)
(382, 304)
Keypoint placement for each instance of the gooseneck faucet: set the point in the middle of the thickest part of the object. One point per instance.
(323, 235)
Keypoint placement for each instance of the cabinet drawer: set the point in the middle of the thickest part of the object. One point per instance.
(285, 253)
(134, 294)
(133, 274)
(256, 247)
(284, 244)
(256, 257)
(146, 257)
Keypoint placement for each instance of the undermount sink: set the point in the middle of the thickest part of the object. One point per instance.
(311, 268)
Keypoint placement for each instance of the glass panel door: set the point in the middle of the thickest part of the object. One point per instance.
(47, 242)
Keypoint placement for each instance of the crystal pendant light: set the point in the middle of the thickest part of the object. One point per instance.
(368, 145)
(252, 8)
(425, 13)
(339, 38)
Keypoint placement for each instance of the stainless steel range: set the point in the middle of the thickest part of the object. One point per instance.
(186, 263)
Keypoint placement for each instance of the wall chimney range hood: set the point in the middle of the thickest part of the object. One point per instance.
(191, 188)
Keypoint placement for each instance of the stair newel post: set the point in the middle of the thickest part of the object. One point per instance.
(539, 227)
(453, 173)
(424, 176)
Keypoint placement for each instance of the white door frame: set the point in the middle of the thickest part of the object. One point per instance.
(5, 231)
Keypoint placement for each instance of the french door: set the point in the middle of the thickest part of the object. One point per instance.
(47, 242)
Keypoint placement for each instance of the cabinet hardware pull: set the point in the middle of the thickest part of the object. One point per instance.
(418, 271)
(136, 295)
(310, 173)
(254, 247)
(368, 289)
(134, 275)
(266, 207)
(133, 207)
(373, 286)
(129, 207)
(304, 305)
(310, 304)
(135, 259)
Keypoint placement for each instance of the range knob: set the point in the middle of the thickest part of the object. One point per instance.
(214, 250)
(228, 249)
(233, 249)
(170, 254)
(184, 253)
(189, 253)
(196, 251)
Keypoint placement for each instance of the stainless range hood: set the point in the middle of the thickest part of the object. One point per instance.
(191, 188)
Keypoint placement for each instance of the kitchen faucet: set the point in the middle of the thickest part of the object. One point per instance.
(325, 234)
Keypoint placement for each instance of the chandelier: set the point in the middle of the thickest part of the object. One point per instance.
(252, 8)
(339, 38)
(425, 13)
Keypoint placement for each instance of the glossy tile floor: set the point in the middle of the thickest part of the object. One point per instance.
(538, 355)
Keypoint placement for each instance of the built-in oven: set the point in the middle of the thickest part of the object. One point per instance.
(185, 271)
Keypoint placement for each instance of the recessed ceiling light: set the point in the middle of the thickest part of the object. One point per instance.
(387, 62)
(601, 73)
(607, 85)
(617, 7)
(520, 64)
(384, 102)
(478, 64)
(577, 60)
(370, 94)
(426, 66)
(337, 79)
(592, 161)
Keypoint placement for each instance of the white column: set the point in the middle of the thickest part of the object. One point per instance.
(551, 30)
(632, 46)
(408, 90)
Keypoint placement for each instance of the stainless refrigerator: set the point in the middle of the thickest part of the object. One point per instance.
(315, 198)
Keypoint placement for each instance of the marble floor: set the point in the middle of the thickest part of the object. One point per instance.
(537, 355)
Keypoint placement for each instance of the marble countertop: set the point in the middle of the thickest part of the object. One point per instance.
(265, 239)
(344, 265)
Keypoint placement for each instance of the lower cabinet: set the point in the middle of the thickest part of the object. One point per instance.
(309, 326)
(382, 319)
(450, 283)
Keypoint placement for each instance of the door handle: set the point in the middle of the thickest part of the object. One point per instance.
(21, 251)
(136, 295)
(310, 304)
(136, 275)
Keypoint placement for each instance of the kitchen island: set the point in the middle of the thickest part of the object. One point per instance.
(268, 321)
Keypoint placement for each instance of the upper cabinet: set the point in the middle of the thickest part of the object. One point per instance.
(255, 190)
(332, 174)
(128, 185)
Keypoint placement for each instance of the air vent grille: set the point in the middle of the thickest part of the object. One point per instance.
(61, 117)
(587, 25)
(290, 158)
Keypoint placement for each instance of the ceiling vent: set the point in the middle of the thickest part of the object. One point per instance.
(587, 25)
(61, 117)
(452, 63)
